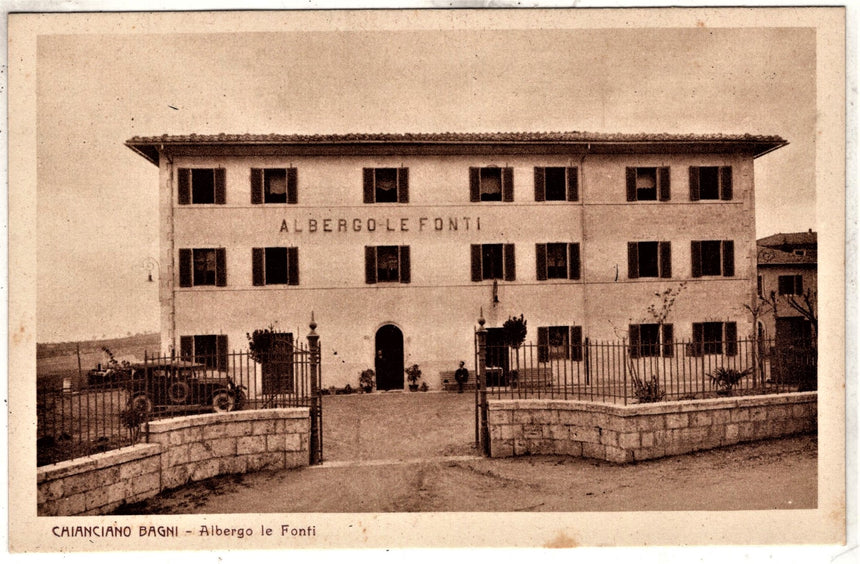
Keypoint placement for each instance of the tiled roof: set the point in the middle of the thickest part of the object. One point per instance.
(499, 137)
(427, 143)
(776, 256)
(802, 238)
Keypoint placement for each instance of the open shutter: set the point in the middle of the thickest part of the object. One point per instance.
(256, 185)
(186, 268)
(694, 184)
(572, 184)
(405, 268)
(668, 340)
(632, 260)
(220, 186)
(540, 260)
(220, 267)
(293, 266)
(368, 186)
(633, 330)
(543, 344)
(184, 187)
(631, 184)
(698, 340)
(665, 259)
(663, 176)
(576, 343)
(474, 184)
(403, 185)
(258, 267)
(292, 186)
(798, 284)
(728, 258)
(370, 265)
(477, 274)
(731, 339)
(573, 264)
(221, 351)
(696, 258)
(510, 263)
(507, 184)
(186, 348)
(725, 182)
(540, 184)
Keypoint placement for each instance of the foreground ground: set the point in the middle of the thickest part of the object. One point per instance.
(414, 452)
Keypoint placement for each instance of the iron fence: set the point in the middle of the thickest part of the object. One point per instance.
(114, 406)
(618, 372)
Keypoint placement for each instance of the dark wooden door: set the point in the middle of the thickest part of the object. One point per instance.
(389, 358)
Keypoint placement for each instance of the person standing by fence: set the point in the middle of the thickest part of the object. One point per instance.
(461, 376)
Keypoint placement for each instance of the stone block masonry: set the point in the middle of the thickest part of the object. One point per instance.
(178, 451)
(631, 433)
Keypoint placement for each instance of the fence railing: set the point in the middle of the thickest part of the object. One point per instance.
(618, 372)
(113, 408)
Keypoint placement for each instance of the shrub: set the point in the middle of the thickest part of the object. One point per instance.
(647, 391)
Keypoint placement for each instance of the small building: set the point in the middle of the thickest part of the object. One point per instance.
(788, 281)
(399, 242)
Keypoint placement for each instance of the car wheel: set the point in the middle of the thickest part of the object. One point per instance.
(140, 403)
(178, 392)
(223, 401)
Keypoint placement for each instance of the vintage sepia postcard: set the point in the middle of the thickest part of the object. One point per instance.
(549, 277)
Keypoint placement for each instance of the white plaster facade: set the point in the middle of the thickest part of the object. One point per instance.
(438, 309)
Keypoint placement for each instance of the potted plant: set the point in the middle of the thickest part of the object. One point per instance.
(727, 378)
(365, 380)
(413, 374)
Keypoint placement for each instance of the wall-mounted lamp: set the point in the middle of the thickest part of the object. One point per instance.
(495, 292)
(149, 264)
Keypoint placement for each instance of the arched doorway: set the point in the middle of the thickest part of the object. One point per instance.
(389, 358)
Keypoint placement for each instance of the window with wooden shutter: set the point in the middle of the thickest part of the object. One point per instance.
(220, 186)
(370, 265)
(576, 343)
(186, 348)
(186, 268)
(728, 258)
(221, 352)
(277, 265)
(731, 338)
(510, 263)
(474, 184)
(633, 333)
(665, 259)
(540, 188)
(726, 183)
(631, 184)
(632, 260)
(477, 271)
(221, 267)
(293, 262)
(507, 184)
(256, 185)
(668, 340)
(403, 185)
(405, 266)
(698, 340)
(540, 259)
(694, 184)
(368, 186)
(696, 258)
(292, 186)
(257, 266)
(543, 344)
(572, 184)
(184, 186)
(663, 181)
(574, 261)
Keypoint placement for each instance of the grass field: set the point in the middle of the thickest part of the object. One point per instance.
(56, 361)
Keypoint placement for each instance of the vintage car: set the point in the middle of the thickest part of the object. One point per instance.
(180, 385)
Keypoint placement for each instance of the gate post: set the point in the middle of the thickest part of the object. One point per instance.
(481, 380)
(316, 400)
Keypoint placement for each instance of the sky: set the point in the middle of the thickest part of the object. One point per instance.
(97, 200)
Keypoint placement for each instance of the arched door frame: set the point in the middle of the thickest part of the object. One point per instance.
(389, 369)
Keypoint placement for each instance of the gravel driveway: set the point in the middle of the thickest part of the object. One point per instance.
(401, 452)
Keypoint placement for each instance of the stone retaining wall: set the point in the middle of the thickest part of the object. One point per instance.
(629, 433)
(179, 450)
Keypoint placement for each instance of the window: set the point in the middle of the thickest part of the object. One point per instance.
(274, 186)
(493, 262)
(275, 265)
(387, 264)
(491, 184)
(651, 339)
(791, 285)
(208, 350)
(648, 183)
(202, 267)
(649, 259)
(714, 338)
(558, 261)
(202, 186)
(560, 343)
(713, 258)
(556, 183)
(386, 185)
(760, 286)
(710, 183)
